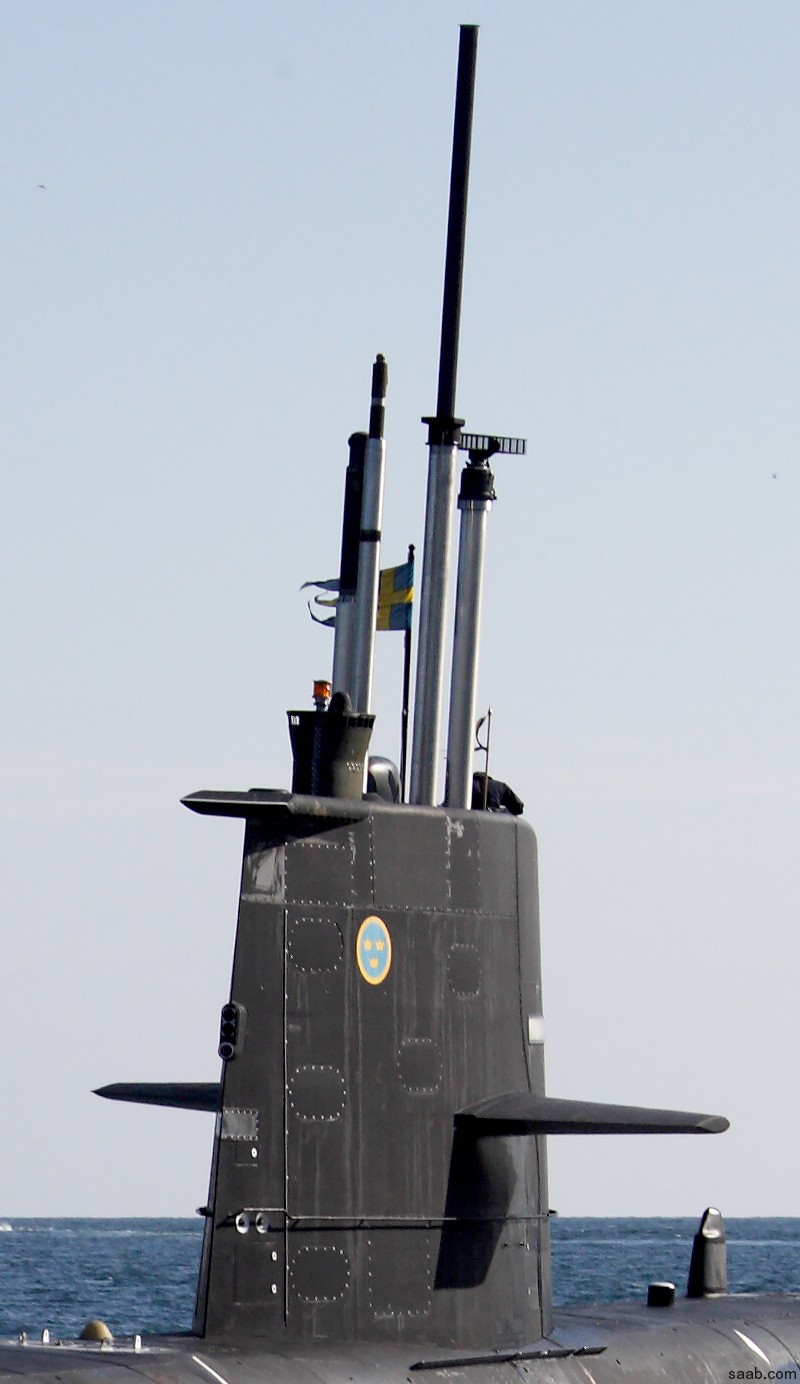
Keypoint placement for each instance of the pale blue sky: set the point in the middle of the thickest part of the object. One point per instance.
(242, 204)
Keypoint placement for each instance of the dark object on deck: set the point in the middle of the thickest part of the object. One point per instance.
(708, 1270)
(383, 778)
(499, 797)
(660, 1294)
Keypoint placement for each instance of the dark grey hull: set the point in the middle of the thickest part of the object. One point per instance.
(743, 1337)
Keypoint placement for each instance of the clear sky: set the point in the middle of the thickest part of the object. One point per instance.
(241, 205)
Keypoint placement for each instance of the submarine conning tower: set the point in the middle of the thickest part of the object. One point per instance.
(378, 1170)
(385, 980)
(386, 977)
(379, 1167)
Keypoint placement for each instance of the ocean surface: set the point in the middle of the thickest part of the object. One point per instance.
(140, 1275)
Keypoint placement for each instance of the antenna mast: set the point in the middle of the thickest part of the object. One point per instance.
(443, 435)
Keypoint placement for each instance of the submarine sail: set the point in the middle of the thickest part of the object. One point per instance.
(378, 1192)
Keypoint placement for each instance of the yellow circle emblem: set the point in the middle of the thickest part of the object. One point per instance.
(374, 950)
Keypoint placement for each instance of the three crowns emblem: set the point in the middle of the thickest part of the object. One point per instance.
(374, 950)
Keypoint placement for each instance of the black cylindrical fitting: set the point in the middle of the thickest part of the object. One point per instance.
(329, 749)
(477, 483)
(351, 516)
(444, 432)
(660, 1294)
(380, 383)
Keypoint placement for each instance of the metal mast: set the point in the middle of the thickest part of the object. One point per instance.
(474, 502)
(443, 436)
(366, 603)
(344, 635)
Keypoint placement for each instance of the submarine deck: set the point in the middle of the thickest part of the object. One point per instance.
(732, 1337)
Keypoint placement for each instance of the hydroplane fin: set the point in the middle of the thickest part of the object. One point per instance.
(181, 1095)
(525, 1113)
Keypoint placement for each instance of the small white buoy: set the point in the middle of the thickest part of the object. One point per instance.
(137, 1342)
(45, 1337)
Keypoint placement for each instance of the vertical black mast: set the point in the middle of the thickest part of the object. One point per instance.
(456, 225)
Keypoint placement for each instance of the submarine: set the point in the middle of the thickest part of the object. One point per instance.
(378, 1204)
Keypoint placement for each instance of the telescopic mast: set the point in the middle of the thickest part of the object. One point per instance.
(443, 436)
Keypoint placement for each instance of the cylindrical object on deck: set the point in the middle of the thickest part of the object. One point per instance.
(708, 1268)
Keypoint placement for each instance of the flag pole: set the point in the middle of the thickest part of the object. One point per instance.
(406, 688)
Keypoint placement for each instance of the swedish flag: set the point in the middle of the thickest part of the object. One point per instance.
(396, 597)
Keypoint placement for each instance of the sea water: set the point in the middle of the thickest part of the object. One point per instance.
(140, 1275)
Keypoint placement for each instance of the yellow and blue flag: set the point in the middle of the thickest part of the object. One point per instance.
(395, 598)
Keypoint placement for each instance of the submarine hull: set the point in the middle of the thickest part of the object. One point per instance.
(736, 1337)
